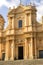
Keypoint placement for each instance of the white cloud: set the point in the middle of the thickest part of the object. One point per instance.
(4, 2)
(9, 4)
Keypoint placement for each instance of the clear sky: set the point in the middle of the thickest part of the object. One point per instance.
(5, 4)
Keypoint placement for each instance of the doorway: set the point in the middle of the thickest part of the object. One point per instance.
(20, 52)
(3, 56)
(41, 54)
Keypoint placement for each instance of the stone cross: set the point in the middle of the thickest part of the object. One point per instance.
(20, 2)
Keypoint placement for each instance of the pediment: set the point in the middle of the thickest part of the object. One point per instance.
(19, 9)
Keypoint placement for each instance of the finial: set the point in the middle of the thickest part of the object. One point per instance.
(20, 2)
(32, 3)
(9, 8)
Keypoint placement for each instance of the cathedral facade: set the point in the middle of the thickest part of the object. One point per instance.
(23, 37)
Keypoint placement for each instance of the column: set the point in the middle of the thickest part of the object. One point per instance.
(12, 50)
(30, 22)
(25, 19)
(25, 50)
(31, 49)
(13, 22)
(10, 22)
(7, 50)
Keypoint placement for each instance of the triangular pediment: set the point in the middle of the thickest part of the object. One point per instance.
(19, 9)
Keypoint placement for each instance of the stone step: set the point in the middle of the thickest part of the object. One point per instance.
(23, 62)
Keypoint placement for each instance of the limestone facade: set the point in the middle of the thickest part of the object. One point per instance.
(23, 37)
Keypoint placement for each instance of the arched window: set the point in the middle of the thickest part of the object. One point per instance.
(20, 23)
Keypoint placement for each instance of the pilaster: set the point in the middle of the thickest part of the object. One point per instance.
(35, 48)
(7, 50)
(31, 49)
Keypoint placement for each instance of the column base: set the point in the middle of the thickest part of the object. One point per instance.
(31, 57)
(11, 58)
(6, 59)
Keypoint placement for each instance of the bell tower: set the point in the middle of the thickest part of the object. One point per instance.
(30, 27)
(30, 16)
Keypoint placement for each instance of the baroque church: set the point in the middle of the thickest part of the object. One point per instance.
(23, 37)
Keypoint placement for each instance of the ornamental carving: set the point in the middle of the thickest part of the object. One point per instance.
(20, 40)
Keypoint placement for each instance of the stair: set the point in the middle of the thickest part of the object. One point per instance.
(23, 62)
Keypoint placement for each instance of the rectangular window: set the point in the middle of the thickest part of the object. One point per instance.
(20, 23)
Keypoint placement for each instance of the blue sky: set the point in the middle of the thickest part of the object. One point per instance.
(5, 4)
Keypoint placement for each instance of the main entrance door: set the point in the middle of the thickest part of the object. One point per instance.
(20, 52)
(41, 54)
